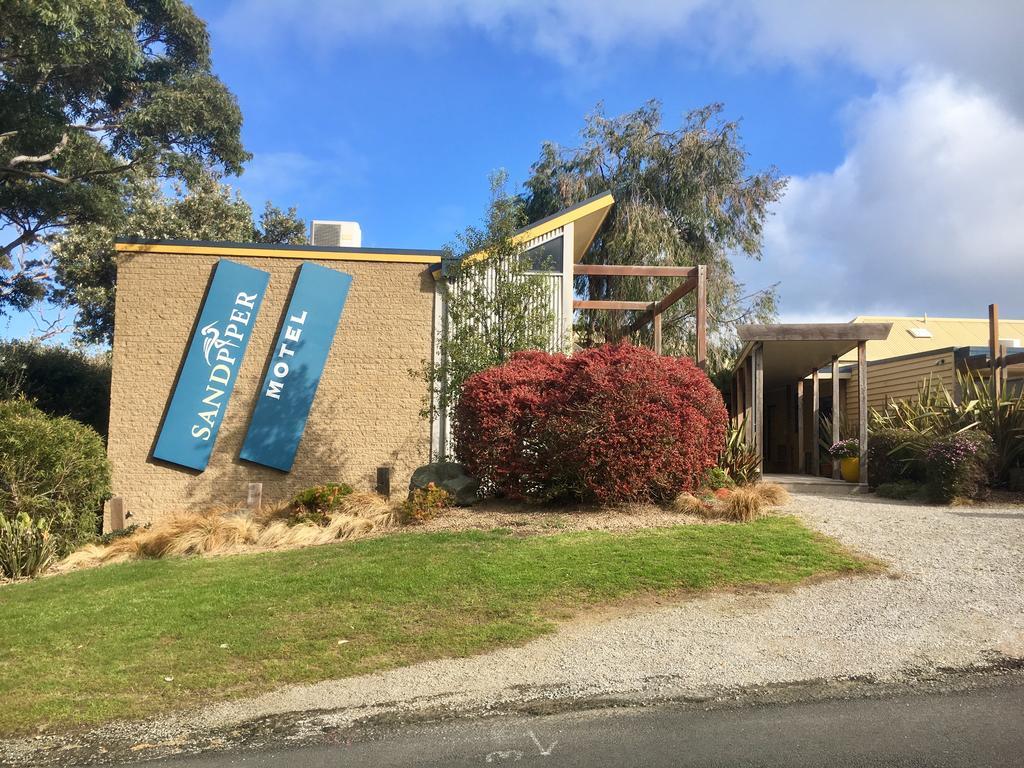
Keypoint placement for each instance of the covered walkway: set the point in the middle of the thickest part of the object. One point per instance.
(770, 397)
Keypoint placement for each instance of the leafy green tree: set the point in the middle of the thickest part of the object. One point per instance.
(92, 91)
(84, 260)
(281, 227)
(683, 197)
(495, 305)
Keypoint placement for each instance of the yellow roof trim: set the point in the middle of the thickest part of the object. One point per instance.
(600, 204)
(543, 226)
(275, 253)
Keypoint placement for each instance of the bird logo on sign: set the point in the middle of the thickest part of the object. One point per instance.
(212, 340)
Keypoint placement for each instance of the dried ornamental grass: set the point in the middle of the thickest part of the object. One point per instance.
(772, 494)
(221, 531)
(688, 504)
(741, 504)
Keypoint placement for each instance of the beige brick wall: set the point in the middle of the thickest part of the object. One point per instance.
(366, 410)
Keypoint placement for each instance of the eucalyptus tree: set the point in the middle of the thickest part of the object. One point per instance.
(684, 196)
(92, 91)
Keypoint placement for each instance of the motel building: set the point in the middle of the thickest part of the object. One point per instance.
(244, 370)
(236, 364)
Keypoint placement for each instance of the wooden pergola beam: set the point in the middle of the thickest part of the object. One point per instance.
(624, 270)
(660, 306)
(696, 278)
(609, 304)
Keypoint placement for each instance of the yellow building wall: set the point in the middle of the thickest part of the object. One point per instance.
(899, 379)
(366, 412)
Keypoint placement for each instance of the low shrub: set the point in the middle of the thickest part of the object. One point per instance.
(717, 478)
(26, 547)
(903, 490)
(316, 504)
(53, 469)
(896, 454)
(615, 423)
(425, 503)
(959, 466)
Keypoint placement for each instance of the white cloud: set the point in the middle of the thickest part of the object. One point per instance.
(978, 40)
(925, 213)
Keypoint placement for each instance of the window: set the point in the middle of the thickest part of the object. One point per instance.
(546, 257)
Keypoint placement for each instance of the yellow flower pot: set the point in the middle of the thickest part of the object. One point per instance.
(850, 469)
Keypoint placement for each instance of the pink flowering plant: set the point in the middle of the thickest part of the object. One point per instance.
(845, 449)
(959, 466)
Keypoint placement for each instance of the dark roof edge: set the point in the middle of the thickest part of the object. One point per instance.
(277, 247)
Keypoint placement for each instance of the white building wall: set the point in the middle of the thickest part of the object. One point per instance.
(559, 300)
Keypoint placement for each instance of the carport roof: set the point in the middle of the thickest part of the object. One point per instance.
(791, 351)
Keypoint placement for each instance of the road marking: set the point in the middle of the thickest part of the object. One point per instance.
(543, 752)
(505, 754)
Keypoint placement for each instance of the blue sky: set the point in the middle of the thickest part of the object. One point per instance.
(900, 125)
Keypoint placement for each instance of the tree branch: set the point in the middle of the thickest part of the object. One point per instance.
(20, 159)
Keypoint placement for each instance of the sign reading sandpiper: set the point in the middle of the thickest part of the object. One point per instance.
(214, 356)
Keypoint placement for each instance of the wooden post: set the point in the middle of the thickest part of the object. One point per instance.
(993, 350)
(657, 334)
(862, 407)
(835, 411)
(116, 513)
(749, 400)
(254, 498)
(734, 400)
(815, 419)
(801, 456)
(702, 316)
(759, 401)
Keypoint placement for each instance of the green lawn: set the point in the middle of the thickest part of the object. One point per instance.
(97, 645)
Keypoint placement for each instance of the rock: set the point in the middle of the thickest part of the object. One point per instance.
(1017, 479)
(451, 477)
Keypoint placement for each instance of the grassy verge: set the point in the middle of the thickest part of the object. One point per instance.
(97, 645)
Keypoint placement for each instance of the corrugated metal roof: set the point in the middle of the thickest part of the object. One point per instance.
(945, 332)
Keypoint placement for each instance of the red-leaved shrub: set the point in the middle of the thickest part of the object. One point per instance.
(615, 423)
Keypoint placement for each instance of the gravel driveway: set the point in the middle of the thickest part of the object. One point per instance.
(954, 597)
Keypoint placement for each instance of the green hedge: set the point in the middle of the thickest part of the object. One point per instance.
(53, 469)
(61, 381)
(896, 455)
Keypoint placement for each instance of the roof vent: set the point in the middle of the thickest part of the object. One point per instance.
(920, 333)
(336, 234)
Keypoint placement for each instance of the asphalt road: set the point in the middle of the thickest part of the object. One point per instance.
(983, 727)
